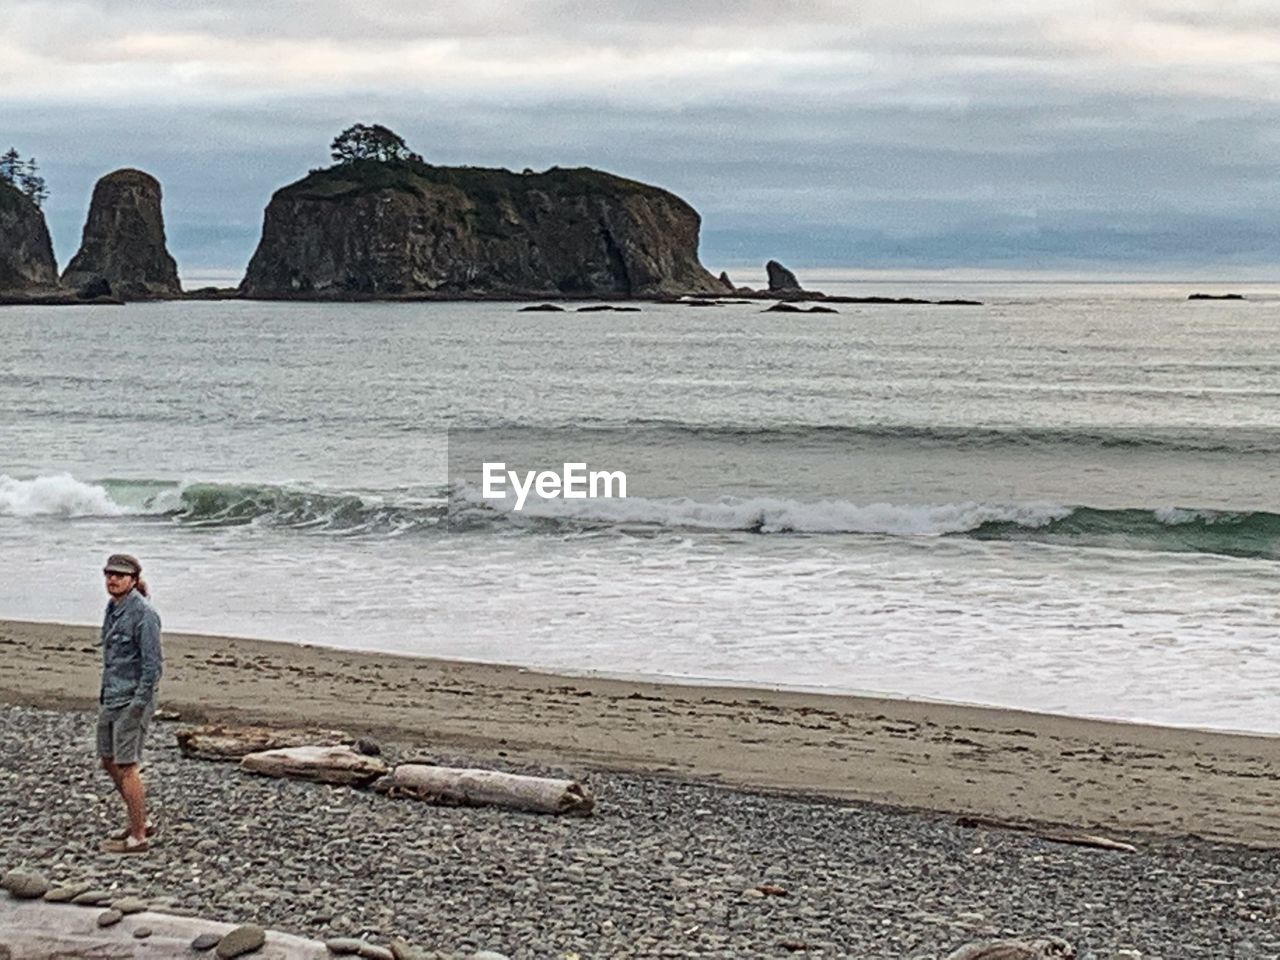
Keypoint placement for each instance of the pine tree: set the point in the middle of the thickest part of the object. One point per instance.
(32, 184)
(10, 164)
(23, 175)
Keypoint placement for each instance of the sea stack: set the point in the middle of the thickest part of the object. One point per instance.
(781, 280)
(123, 253)
(374, 228)
(26, 252)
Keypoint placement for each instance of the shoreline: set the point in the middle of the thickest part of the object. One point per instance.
(1008, 765)
(686, 682)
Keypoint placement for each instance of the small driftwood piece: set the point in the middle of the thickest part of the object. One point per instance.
(232, 743)
(1088, 840)
(321, 764)
(469, 787)
(1075, 839)
(1044, 948)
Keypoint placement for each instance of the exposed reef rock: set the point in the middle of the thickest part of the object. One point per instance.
(781, 280)
(123, 245)
(26, 252)
(408, 229)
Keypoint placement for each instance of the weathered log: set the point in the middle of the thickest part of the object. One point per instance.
(1076, 839)
(469, 787)
(232, 743)
(322, 764)
(35, 930)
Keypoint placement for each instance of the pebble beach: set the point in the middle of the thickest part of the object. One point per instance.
(728, 823)
(664, 867)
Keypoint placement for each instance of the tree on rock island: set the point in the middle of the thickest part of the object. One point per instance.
(24, 175)
(376, 142)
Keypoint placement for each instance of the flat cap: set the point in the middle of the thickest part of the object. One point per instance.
(122, 563)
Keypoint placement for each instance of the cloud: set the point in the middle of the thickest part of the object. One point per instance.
(888, 119)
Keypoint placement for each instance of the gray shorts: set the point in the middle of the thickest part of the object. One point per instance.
(121, 732)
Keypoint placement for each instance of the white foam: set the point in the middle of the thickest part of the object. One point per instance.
(55, 495)
(779, 515)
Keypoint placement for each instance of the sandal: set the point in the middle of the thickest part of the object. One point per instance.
(127, 845)
(124, 834)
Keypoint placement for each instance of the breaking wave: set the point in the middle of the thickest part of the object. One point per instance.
(399, 512)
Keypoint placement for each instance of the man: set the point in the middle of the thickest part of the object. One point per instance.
(131, 667)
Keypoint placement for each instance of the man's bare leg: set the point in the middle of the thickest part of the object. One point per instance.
(134, 799)
(113, 771)
(119, 773)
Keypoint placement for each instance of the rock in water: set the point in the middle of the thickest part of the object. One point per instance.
(780, 278)
(386, 229)
(1043, 948)
(26, 252)
(123, 242)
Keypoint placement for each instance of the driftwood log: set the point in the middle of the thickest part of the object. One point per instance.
(322, 764)
(35, 930)
(1075, 839)
(218, 742)
(469, 787)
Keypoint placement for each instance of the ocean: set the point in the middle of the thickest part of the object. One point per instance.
(1065, 500)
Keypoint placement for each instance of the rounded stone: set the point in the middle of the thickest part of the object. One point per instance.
(26, 884)
(93, 898)
(343, 946)
(127, 905)
(205, 941)
(371, 951)
(109, 917)
(142, 933)
(65, 892)
(243, 939)
(401, 949)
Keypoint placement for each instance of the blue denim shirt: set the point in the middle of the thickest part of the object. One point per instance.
(131, 658)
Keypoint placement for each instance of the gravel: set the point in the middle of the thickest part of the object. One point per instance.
(664, 868)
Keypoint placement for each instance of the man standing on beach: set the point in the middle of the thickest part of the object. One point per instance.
(131, 667)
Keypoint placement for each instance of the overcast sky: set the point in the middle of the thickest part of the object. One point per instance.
(1135, 135)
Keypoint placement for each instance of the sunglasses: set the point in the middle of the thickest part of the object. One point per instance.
(115, 573)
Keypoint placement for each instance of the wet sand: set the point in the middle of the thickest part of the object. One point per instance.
(1002, 764)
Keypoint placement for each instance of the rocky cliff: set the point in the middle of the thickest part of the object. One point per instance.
(370, 229)
(26, 252)
(123, 251)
